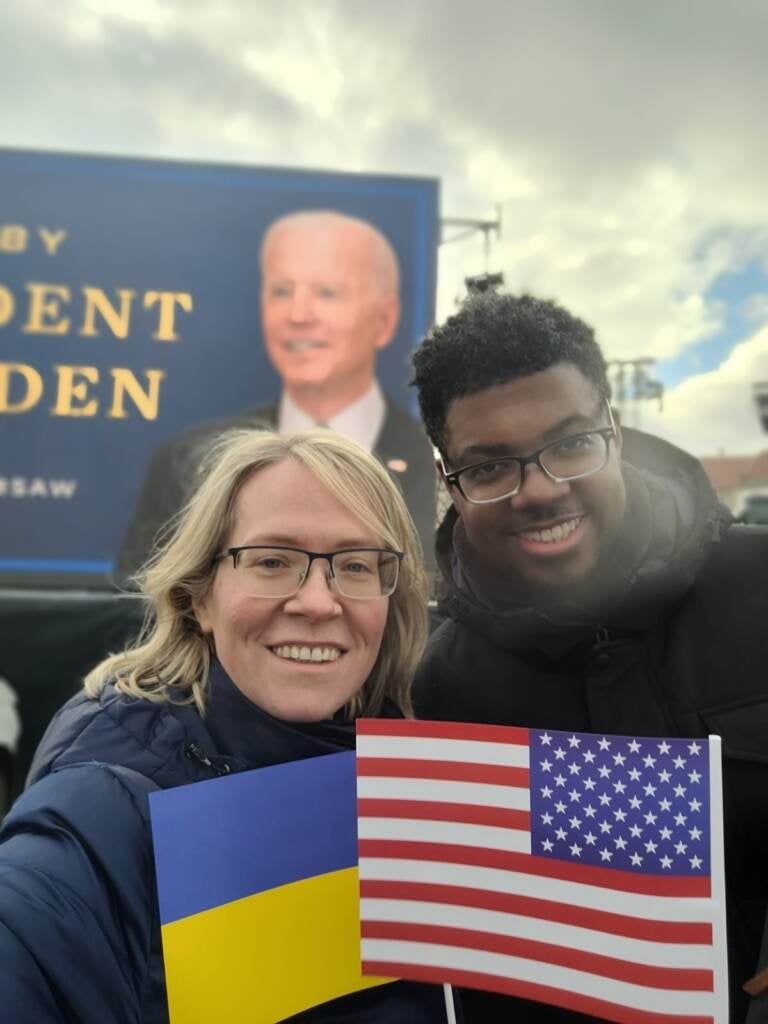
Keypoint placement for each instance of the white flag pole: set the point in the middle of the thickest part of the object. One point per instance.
(450, 1009)
(717, 874)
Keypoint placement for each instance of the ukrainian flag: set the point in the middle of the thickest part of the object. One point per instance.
(258, 890)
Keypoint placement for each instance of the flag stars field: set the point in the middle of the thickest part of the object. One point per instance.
(626, 781)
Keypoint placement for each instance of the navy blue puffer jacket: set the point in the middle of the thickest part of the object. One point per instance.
(79, 925)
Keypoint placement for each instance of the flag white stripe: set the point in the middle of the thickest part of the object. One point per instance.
(478, 793)
(653, 1000)
(424, 748)
(482, 836)
(579, 894)
(640, 951)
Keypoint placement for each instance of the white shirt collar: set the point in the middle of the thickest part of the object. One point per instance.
(362, 421)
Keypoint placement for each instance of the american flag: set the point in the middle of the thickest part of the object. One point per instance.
(580, 870)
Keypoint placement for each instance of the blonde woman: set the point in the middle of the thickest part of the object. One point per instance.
(288, 600)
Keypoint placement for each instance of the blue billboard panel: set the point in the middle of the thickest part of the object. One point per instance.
(130, 312)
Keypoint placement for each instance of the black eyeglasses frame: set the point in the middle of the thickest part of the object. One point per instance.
(453, 479)
(234, 554)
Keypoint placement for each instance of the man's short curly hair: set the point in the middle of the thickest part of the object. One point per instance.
(494, 339)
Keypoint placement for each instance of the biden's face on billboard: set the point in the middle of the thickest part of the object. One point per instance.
(329, 301)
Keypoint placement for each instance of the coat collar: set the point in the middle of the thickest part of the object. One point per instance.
(252, 738)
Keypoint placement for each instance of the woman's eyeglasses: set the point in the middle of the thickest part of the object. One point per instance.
(361, 573)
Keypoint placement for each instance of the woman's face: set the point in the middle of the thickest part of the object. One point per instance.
(286, 505)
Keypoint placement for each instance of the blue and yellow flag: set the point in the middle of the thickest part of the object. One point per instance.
(258, 889)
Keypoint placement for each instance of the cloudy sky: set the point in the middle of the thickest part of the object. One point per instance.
(623, 145)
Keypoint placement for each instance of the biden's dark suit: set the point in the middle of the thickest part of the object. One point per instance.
(402, 446)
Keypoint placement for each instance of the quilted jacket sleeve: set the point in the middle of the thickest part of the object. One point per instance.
(77, 904)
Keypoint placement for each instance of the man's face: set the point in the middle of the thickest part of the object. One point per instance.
(518, 418)
(324, 312)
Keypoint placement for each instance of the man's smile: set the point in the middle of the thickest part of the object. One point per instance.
(555, 538)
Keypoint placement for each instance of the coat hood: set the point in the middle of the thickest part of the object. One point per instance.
(671, 522)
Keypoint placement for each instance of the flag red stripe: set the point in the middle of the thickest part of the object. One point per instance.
(454, 771)
(528, 990)
(507, 734)
(434, 810)
(606, 878)
(693, 932)
(672, 979)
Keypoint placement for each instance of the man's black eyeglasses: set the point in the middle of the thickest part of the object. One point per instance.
(571, 458)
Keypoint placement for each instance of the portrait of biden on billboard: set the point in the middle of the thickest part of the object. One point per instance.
(329, 303)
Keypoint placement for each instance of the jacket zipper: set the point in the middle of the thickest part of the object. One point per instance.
(196, 753)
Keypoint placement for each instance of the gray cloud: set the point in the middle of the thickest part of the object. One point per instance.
(118, 92)
(595, 86)
(583, 93)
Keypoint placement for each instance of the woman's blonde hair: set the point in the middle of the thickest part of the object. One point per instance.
(170, 659)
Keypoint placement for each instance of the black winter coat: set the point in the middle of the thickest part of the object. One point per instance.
(681, 649)
(79, 923)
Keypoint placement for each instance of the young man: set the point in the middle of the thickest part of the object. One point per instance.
(329, 303)
(591, 581)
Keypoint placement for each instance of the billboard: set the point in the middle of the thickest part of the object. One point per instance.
(129, 312)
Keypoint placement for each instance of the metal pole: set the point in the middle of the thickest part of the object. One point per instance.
(450, 1009)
